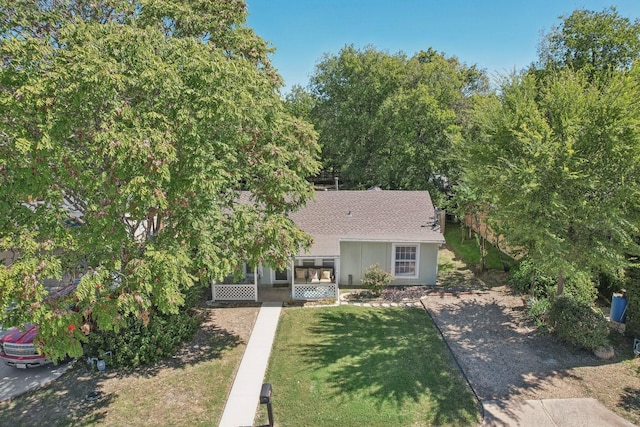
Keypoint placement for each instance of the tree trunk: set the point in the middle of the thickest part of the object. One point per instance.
(483, 254)
(560, 284)
(533, 282)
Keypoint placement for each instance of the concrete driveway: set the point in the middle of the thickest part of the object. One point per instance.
(14, 382)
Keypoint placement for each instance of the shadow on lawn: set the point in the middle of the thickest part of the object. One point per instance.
(391, 355)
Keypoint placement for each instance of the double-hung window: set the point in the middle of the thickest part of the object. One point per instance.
(406, 260)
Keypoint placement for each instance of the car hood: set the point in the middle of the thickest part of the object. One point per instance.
(21, 336)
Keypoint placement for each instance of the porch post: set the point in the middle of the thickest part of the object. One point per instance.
(336, 265)
(293, 274)
(255, 282)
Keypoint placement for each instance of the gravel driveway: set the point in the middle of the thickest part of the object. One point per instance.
(501, 356)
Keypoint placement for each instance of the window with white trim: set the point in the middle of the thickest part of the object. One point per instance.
(406, 261)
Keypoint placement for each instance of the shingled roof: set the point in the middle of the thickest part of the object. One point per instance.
(372, 215)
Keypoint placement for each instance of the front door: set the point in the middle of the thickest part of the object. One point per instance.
(281, 276)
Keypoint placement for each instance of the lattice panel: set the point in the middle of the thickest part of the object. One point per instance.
(313, 291)
(235, 293)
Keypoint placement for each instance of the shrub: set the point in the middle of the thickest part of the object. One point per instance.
(375, 279)
(136, 344)
(578, 285)
(610, 283)
(578, 323)
(538, 311)
(528, 279)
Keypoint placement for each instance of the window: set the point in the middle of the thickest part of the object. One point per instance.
(328, 262)
(308, 262)
(405, 260)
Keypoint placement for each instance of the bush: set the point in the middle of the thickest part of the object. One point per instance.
(579, 285)
(609, 283)
(578, 323)
(538, 311)
(526, 278)
(375, 279)
(137, 344)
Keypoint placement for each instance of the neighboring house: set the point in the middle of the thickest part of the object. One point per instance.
(352, 230)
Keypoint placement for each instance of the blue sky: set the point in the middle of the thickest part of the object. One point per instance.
(497, 35)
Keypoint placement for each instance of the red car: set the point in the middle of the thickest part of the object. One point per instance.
(17, 348)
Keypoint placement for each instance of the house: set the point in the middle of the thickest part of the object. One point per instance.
(352, 230)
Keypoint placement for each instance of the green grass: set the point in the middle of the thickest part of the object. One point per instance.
(355, 366)
(469, 250)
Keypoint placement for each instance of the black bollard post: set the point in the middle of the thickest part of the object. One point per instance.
(265, 398)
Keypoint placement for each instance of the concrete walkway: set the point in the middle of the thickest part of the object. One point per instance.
(582, 412)
(244, 397)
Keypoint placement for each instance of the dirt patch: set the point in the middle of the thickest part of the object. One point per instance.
(505, 357)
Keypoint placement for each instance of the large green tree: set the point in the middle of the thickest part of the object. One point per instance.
(597, 43)
(389, 120)
(128, 130)
(557, 162)
(554, 153)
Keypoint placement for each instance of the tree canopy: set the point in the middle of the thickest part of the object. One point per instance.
(595, 42)
(388, 120)
(128, 130)
(558, 167)
(554, 155)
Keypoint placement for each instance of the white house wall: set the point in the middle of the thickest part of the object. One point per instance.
(356, 257)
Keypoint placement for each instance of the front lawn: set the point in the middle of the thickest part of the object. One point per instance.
(355, 366)
(189, 389)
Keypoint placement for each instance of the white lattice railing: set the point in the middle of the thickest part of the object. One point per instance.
(239, 292)
(315, 291)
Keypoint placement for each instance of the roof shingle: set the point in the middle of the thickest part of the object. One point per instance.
(372, 215)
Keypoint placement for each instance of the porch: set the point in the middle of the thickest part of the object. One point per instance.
(270, 293)
(305, 279)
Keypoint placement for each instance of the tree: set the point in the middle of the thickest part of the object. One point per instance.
(142, 122)
(556, 159)
(595, 42)
(388, 120)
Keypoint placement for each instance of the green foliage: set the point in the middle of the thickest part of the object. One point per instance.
(596, 42)
(581, 287)
(375, 279)
(557, 162)
(554, 155)
(537, 310)
(143, 123)
(632, 285)
(608, 283)
(388, 120)
(527, 278)
(143, 340)
(578, 323)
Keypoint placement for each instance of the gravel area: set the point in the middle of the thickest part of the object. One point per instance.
(506, 358)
